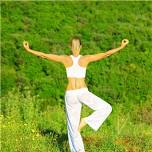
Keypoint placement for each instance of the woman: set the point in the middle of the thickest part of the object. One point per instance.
(77, 92)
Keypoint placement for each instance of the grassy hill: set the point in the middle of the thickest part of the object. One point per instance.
(32, 88)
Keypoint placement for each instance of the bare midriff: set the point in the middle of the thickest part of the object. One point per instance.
(76, 83)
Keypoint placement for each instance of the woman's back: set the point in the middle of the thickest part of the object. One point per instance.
(75, 72)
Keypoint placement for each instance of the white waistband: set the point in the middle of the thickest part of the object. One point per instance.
(76, 91)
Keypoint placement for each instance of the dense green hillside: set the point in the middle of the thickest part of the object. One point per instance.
(123, 79)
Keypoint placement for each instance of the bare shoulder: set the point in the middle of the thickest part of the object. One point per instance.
(85, 58)
(94, 57)
(66, 57)
(66, 60)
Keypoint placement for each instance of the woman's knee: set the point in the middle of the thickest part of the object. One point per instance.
(109, 108)
(106, 107)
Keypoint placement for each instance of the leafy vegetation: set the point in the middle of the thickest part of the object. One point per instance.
(32, 94)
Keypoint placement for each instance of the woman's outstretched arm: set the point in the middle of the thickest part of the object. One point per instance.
(53, 57)
(99, 56)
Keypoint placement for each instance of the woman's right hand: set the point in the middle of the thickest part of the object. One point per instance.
(26, 45)
(124, 42)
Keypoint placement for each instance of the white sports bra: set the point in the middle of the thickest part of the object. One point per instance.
(76, 70)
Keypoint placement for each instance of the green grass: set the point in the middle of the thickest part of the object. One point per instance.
(32, 89)
(24, 124)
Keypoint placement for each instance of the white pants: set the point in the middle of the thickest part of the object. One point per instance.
(73, 104)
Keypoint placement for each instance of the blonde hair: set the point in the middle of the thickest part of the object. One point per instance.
(75, 38)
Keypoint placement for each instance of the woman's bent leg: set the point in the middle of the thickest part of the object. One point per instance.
(101, 107)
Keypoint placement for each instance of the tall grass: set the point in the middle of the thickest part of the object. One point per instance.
(28, 127)
(32, 96)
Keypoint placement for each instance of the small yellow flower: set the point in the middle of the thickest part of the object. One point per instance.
(37, 135)
(33, 130)
(1, 116)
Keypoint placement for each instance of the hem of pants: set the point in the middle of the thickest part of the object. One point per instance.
(86, 120)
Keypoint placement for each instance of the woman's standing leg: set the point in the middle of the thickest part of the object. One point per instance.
(101, 107)
(73, 112)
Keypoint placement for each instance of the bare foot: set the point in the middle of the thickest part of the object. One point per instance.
(82, 124)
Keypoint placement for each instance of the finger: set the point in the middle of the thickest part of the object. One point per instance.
(127, 41)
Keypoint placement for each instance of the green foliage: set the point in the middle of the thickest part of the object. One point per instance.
(24, 122)
(101, 25)
(33, 88)
(27, 120)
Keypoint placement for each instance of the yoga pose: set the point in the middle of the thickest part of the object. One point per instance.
(77, 92)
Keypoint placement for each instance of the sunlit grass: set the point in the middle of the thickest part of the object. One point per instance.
(24, 125)
(32, 103)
